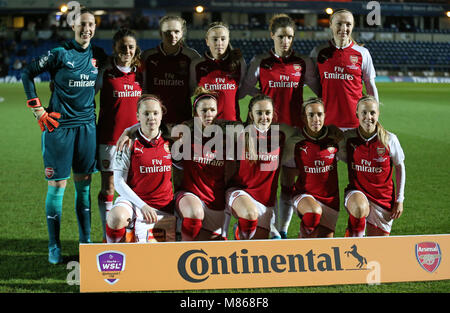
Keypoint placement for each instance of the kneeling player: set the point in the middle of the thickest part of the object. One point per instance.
(200, 202)
(372, 153)
(312, 155)
(252, 197)
(142, 177)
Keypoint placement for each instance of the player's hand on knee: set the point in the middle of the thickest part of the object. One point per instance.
(149, 214)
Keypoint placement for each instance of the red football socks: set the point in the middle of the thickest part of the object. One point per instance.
(247, 228)
(190, 228)
(356, 226)
(114, 235)
(310, 221)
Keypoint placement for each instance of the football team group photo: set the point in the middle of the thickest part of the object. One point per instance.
(179, 162)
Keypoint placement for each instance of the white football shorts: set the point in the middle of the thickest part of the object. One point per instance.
(106, 157)
(329, 216)
(213, 220)
(378, 217)
(162, 230)
(265, 213)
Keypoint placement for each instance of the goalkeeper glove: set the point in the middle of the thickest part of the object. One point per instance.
(44, 119)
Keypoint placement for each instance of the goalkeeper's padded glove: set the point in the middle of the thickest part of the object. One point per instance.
(44, 119)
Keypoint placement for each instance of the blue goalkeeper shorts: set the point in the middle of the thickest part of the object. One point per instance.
(71, 148)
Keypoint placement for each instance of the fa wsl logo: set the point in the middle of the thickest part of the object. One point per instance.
(111, 264)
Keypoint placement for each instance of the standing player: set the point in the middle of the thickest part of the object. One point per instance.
(371, 199)
(142, 176)
(201, 201)
(68, 125)
(166, 69)
(282, 74)
(312, 155)
(251, 199)
(222, 70)
(343, 66)
(120, 91)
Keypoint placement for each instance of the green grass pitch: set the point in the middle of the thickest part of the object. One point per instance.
(417, 113)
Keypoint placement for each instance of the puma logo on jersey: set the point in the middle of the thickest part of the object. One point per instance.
(141, 150)
(71, 63)
(304, 149)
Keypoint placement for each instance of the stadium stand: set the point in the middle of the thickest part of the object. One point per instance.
(387, 55)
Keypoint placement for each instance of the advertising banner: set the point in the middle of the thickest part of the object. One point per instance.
(262, 263)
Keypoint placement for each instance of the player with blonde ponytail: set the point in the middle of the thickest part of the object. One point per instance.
(371, 199)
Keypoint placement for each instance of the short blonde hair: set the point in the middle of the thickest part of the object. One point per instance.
(383, 135)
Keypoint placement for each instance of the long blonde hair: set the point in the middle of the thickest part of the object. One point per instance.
(383, 135)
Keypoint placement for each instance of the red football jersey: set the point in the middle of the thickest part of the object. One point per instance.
(215, 75)
(342, 72)
(315, 158)
(118, 97)
(283, 80)
(167, 76)
(370, 166)
(149, 166)
(204, 175)
(259, 178)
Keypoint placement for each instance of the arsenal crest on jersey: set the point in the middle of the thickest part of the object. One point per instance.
(428, 255)
(381, 151)
(297, 67)
(331, 149)
(354, 59)
(166, 147)
(94, 62)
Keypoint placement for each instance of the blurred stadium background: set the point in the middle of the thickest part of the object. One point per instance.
(411, 44)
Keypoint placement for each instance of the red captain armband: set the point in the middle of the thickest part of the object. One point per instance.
(34, 103)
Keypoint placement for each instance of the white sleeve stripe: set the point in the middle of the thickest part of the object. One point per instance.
(121, 166)
(395, 149)
(400, 178)
(124, 190)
